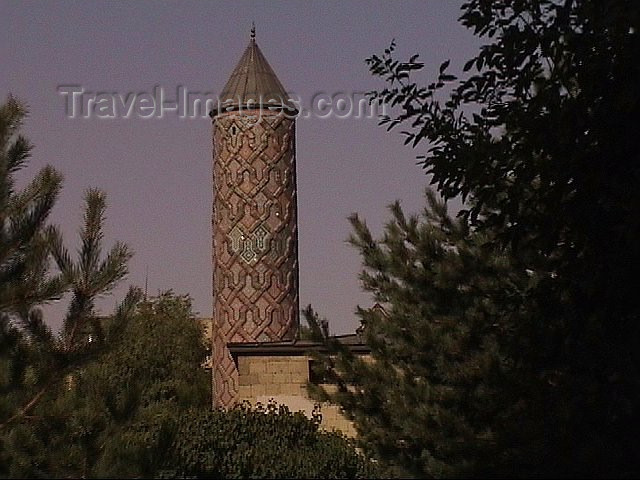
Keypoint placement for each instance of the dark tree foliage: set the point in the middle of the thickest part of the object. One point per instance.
(116, 416)
(539, 139)
(443, 396)
(266, 441)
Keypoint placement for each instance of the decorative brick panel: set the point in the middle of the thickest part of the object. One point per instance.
(255, 245)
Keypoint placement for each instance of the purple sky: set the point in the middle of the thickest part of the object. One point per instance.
(157, 171)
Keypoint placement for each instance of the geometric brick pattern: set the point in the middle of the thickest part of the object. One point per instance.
(255, 244)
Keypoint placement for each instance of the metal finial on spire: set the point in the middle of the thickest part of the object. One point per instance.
(253, 30)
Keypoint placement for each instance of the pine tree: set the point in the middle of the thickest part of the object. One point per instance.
(54, 357)
(35, 360)
(25, 237)
(440, 381)
(25, 247)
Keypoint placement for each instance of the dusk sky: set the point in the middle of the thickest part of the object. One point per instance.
(157, 171)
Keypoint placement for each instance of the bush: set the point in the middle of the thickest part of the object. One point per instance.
(265, 441)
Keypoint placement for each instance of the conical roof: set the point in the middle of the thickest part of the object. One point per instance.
(253, 82)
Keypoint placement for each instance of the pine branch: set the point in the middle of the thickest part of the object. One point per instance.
(29, 405)
(112, 269)
(122, 314)
(91, 234)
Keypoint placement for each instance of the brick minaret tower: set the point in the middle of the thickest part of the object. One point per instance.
(255, 241)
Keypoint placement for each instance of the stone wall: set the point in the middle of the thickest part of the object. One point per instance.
(283, 379)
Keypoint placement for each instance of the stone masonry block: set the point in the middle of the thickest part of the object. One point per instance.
(247, 379)
(244, 392)
(258, 390)
(265, 379)
(243, 366)
(257, 365)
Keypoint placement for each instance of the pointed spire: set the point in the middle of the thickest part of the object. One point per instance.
(253, 82)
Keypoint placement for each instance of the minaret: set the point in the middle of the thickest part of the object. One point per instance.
(255, 233)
